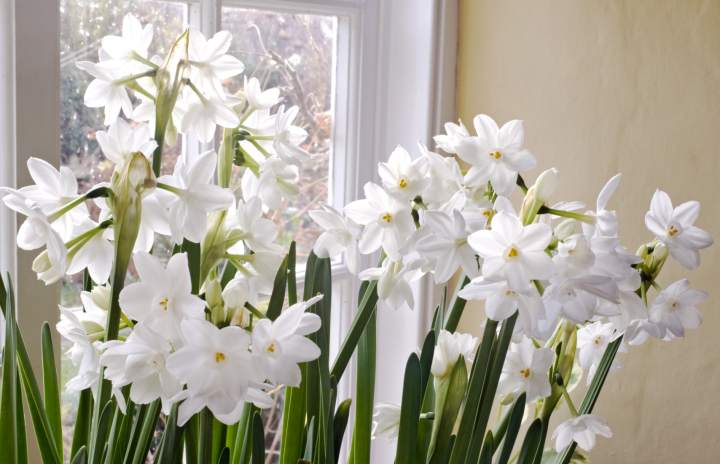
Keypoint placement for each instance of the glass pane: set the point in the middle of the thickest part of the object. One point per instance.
(295, 52)
(83, 23)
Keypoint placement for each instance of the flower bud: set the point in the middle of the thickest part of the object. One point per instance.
(538, 195)
(49, 268)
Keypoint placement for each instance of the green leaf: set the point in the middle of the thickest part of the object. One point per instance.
(409, 412)
(10, 452)
(277, 297)
(292, 278)
(243, 440)
(258, 440)
(171, 439)
(487, 449)
(364, 388)
(50, 386)
(458, 306)
(448, 399)
(514, 422)
(146, 432)
(81, 431)
(322, 283)
(474, 396)
(310, 442)
(593, 392)
(340, 424)
(531, 442)
(80, 457)
(219, 431)
(102, 431)
(366, 309)
(224, 456)
(426, 355)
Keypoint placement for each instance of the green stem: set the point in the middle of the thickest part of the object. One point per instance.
(144, 61)
(66, 207)
(569, 401)
(133, 77)
(254, 311)
(568, 214)
(177, 191)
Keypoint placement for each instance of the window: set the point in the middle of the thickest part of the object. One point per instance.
(370, 79)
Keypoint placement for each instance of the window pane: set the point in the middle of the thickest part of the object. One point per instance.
(295, 52)
(83, 23)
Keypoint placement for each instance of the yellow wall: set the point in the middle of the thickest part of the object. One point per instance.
(619, 86)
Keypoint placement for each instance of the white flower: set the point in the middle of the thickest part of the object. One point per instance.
(217, 366)
(162, 298)
(139, 362)
(394, 279)
(675, 227)
(83, 352)
(121, 140)
(193, 196)
(582, 430)
(674, 309)
(446, 245)
(449, 349)
(386, 421)
(388, 222)
(496, 154)
(210, 63)
(258, 98)
(402, 176)
(52, 190)
(288, 137)
(276, 180)
(526, 370)
(446, 180)
(107, 89)
(592, 340)
(96, 254)
(513, 251)
(240, 290)
(577, 297)
(454, 134)
(134, 41)
(340, 235)
(203, 114)
(280, 345)
(247, 224)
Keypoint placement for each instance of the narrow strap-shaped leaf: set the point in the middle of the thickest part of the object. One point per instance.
(243, 443)
(593, 392)
(449, 397)
(9, 411)
(171, 438)
(103, 428)
(136, 426)
(191, 440)
(458, 306)
(474, 396)
(426, 356)
(224, 456)
(80, 457)
(340, 424)
(83, 418)
(364, 390)
(530, 444)
(228, 273)
(193, 253)
(310, 442)
(22, 457)
(50, 387)
(277, 297)
(258, 440)
(323, 285)
(487, 449)
(515, 416)
(122, 434)
(409, 412)
(292, 277)
(492, 378)
(366, 309)
(146, 432)
(219, 430)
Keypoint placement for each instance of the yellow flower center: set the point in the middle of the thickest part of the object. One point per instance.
(513, 252)
(387, 217)
(403, 183)
(487, 213)
(219, 357)
(271, 347)
(675, 305)
(495, 154)
(164, 303)
(672, 231)
(597, 341)
(510, 293)
(525, 372)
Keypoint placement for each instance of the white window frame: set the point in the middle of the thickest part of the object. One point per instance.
(396, 70)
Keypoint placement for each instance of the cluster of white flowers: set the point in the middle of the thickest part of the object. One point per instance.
(551, 263)
(173, 345)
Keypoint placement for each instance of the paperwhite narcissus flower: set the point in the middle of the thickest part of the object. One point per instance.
(276, 180)
(674, 309)
(258, 98)
(402, 176)
(386, 421)
(134, 42)
(107, 89)
(388, 222)
(675, 227)
(162, 298)
(217, 367)
(449, 349)
(495, 154)
(446, 245)
(454, 133)
(210, 62)
(592, 340)
(139, 362)
(247, 224)
(526, 370)
(280, 345)
(394, 279)
(192, 197)
(83, 352)
(513, 251)
(582, 430)
(288, 137)
(203, 114)
(340, 236)
(96, 254)
(121, 140)
(240, 290)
